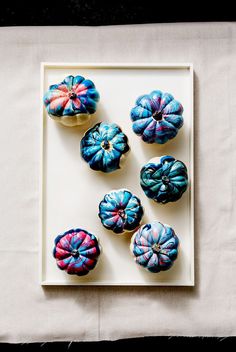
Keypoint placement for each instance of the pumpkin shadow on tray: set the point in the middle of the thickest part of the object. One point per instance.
(123, 240)
(75, 282)
(119, 241)
(172, 147)
(121, 178)
(162, 276)
(71, 136)
(97, 274)
(124, 173)
(173, 209)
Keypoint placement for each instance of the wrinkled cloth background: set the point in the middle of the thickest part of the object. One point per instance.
(32, 313)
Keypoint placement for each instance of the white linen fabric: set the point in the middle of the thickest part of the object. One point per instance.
(32, 313)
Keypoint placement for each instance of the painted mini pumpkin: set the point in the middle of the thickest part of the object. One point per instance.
(120, 211)
(165, 180)
(157, 117)
(76, 251)
(72, 101)
(103, 146)
(155, 246)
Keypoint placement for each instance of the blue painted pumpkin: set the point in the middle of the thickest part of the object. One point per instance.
(164, 181)
(157, 117)
(103, 146)
(155, 246)
(76, 251)
(72, 101)
(120, 211)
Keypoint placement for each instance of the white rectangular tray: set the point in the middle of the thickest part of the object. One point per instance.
(71, 191)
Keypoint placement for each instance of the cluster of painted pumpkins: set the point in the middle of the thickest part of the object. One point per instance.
(156, 118)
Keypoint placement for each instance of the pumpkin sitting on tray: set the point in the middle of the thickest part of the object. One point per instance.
(156, 117)
(72, 101)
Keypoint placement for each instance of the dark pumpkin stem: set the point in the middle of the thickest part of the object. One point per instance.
(75, 253)
(156, 248)
(106, 145)
(157, 115)
(121, 213)
(165, 180)
(73, 95)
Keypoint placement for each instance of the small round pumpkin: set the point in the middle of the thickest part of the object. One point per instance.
(72, 101)
(103, 146)
(155, 246)
(164, 180)
(76, 251)
(120, 211)
(157, 117)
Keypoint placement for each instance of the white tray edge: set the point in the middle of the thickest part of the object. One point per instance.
(97, 65)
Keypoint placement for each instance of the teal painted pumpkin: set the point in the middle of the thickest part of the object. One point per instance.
(164, 181)
(104, 146)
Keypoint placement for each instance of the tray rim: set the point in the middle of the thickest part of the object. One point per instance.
(112, 65)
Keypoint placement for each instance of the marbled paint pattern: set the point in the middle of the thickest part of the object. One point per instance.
(120, 211)
(155, 246)
(76, 251)
(74, 95)
(157, 117)
(165, 181)
(103, 146)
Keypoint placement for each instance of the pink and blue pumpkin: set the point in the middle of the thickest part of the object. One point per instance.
(120, 211)
(157, 117)
(76, 251)
(155, 247)
(72, 101)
